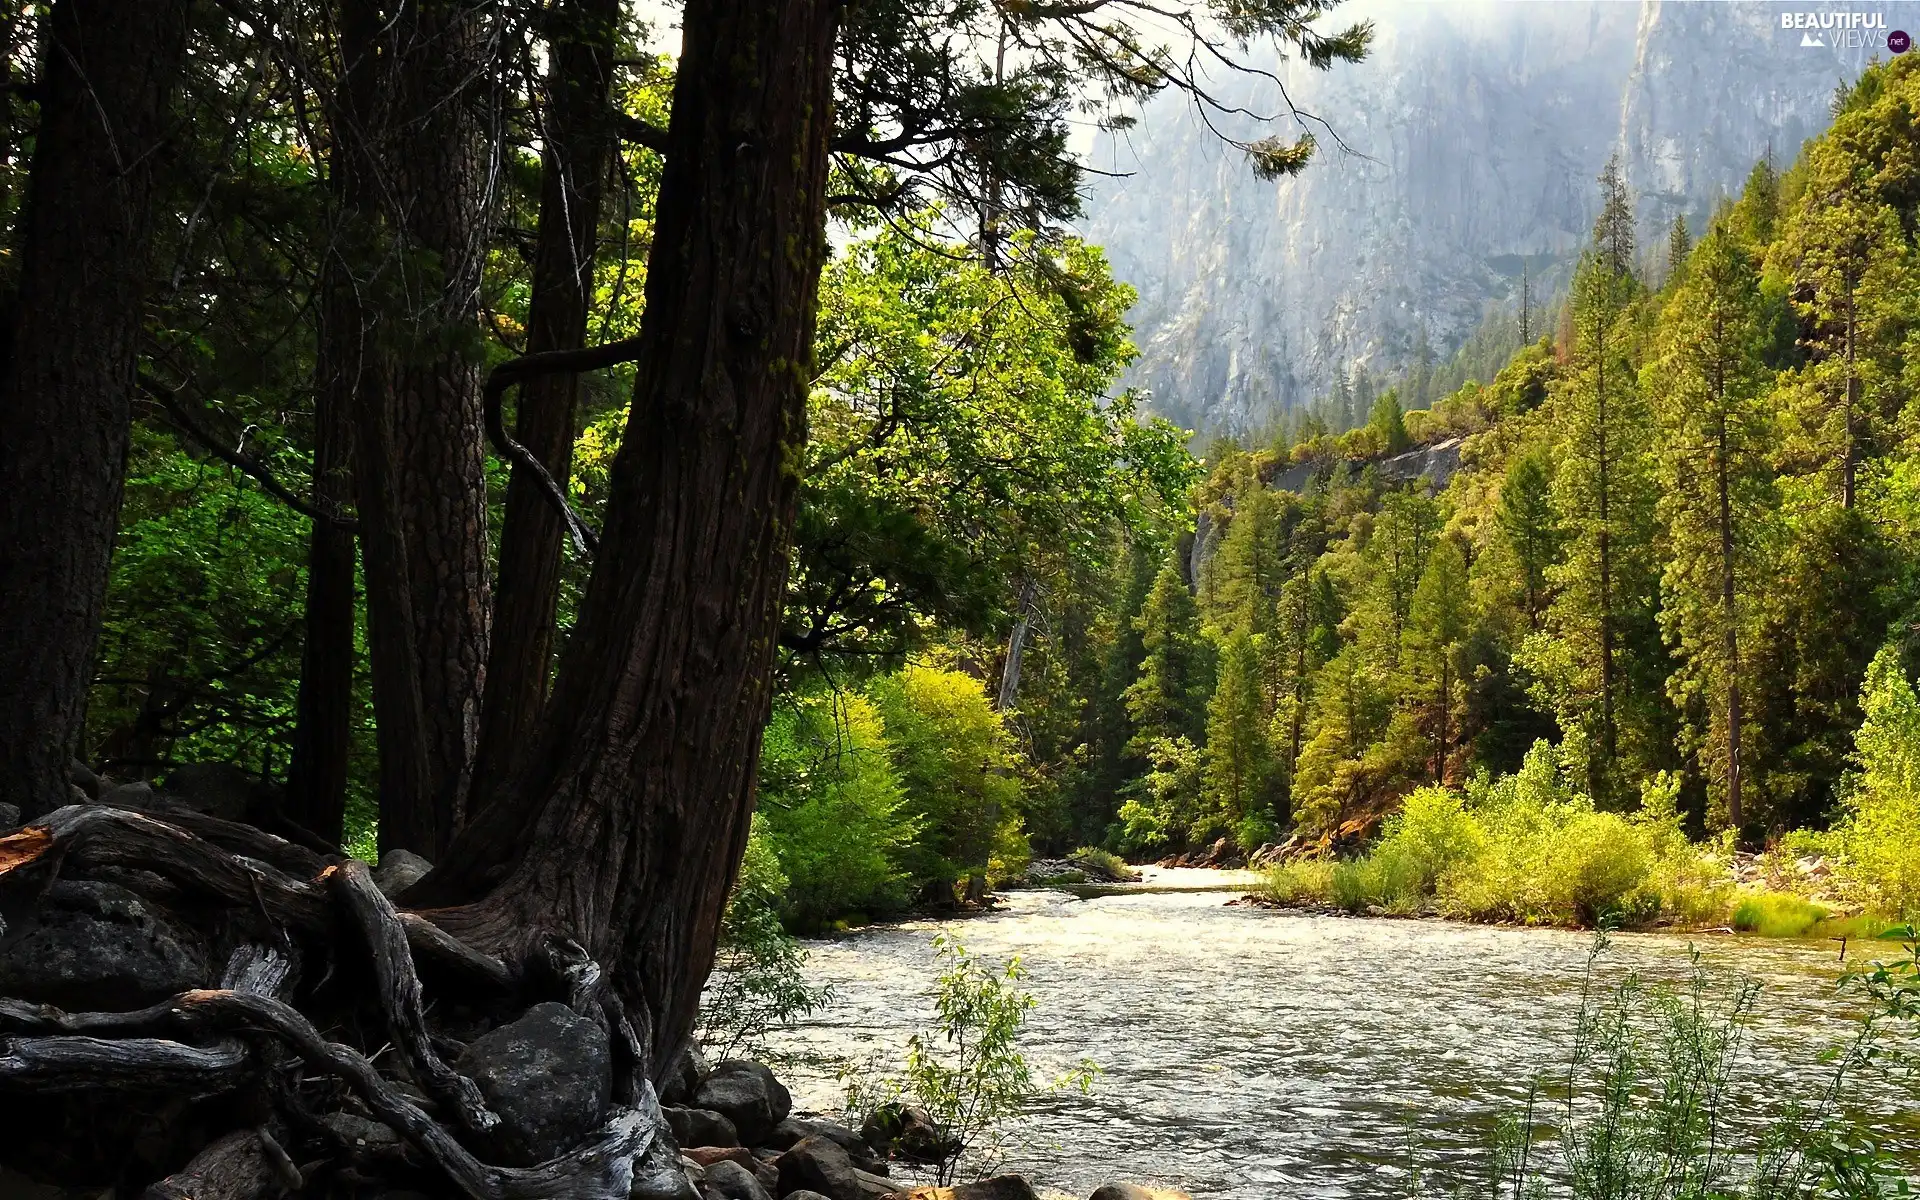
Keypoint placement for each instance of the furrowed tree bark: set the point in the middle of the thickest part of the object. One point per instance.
(108, 71)
(419, 129)
(641, 782)
(578, 141)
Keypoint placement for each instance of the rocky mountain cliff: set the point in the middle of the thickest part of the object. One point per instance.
(1475, 131)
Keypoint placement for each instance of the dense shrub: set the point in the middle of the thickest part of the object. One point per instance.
(1529, 848)
(1879, 842)
(958, 771)
(834, 817)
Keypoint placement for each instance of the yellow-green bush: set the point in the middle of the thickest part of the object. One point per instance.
(1529, 848)
(1777, 914)
(1879, 841)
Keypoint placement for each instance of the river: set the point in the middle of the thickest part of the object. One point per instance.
(1254, 1054)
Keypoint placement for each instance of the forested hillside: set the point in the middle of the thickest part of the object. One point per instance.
(1680, 553)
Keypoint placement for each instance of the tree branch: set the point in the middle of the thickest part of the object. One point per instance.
(183, 420)
(530, 366)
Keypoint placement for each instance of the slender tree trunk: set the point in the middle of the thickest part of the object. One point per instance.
(1850, 452)
(1009, 694)
(1728, 618)
(641, 782)
(578, 144)
(323, 734)
(1446, 697)
(107, 75)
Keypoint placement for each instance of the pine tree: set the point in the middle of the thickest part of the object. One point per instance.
(1679, 245)
(1757, 214)
(1613, 230)
(1437, 628)
(1402, 537)
(1603, 493)
(1386, 420)
(1709, 381)
(1169, 698)
(1239, 758)
(1530, 527)
(1245, 575)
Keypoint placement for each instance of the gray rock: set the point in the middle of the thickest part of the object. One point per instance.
(804, 1194)
(9, 817)
(217, 789)
(97, 946)
(398, 871)
(687, 1073)
(908, 1132)
(549, 1075)
(734, 1182)
(128, 795)
(700, 1127)
(80, 775)
(822, 1166)
(872, 1186)
(747, 1094)
(1134, 1191)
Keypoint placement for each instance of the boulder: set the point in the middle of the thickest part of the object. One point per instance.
(747, 1094)
(549, 1075)
(791, 1130)
(731, 1181)
(398, 871)
(97, 946)
(1000, 1187)
(804, 1194)
(905, 1131)
(820, 1165)
(80, 775)
(699, 1127)
(128, 795)
(217, 789)
(706, 1156)
(1134, 1191)
(687, 1073)
(9, 817)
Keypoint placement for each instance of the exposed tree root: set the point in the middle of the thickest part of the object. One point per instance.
(247, 1038)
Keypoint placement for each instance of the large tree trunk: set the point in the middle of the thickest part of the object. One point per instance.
(578, 143)
(641, 782)
(108, 70)
(419, 458)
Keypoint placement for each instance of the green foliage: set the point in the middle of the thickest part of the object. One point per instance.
(832, 809)
(958, 771)
(1777, 914)
(1168, 699)
(1880, 838)
(1239, 759)
(1388, 423)
(967, 1071)
(1643, 1108)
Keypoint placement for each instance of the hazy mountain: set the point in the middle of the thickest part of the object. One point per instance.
(1475, 133)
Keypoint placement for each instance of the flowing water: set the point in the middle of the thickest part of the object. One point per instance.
(1255, 1054)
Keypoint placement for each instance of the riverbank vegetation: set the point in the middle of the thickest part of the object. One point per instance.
(1626, 630)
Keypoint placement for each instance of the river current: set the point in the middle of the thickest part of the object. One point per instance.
(1254, 1054)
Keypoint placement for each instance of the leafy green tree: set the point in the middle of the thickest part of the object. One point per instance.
(1708, 378)
(832, 811)
(1883, 798)
(959, 776)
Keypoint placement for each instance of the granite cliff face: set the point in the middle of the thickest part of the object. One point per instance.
(1475, 131)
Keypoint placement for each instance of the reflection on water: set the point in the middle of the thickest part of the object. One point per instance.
(1258, 1054)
